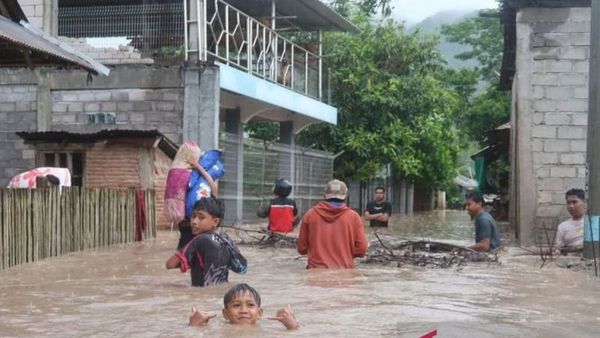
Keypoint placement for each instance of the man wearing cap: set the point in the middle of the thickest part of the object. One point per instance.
(332, 234)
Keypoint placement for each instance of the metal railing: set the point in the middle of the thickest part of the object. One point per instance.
(264, 163)
(117, 34)
(239, 40)
(168, 32)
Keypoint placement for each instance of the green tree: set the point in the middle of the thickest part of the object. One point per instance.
(394, 107)
(482, 109)
(263, 130)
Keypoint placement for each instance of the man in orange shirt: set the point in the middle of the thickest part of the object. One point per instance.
(332, 234)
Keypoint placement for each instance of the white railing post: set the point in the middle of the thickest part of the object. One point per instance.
(306, 72)
(226, 28)
(293, 59)
(185, 30)
(199, 24)
(204, 23)
(320, 95)
(249, 44)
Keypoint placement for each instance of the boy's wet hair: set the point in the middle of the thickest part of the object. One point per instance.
(380, 188)
(475, 196)
(579, 193)
(53, 179)
(213, 206)
(238, 290)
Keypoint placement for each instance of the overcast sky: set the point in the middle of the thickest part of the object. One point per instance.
(417, 10)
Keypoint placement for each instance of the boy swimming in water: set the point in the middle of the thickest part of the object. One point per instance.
(242, 307)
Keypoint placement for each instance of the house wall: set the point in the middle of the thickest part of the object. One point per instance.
(550, 115)
(17, 113)
(34, 10)
(141, 109)
(122, 164)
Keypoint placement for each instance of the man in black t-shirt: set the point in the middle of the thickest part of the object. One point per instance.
(379, 211)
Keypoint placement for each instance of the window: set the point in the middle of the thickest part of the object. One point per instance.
(74, 161)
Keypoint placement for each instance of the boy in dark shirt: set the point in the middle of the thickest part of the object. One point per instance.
(207, 255)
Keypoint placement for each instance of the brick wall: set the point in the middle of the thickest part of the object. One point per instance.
(17, 113)
(118, 165)
(112, 165)
(553, 78)
(34, 11)
(161, 169)
(140, 109)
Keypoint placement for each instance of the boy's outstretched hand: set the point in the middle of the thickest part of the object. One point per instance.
(199, 318)
(286, 317)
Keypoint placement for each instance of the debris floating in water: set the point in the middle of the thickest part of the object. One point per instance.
(425, 253)
(261, 238)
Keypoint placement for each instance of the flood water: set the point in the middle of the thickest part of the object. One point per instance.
(124, 291)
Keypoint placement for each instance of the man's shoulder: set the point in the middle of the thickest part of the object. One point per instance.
(205, 237)
(485, 218)
(568, 223)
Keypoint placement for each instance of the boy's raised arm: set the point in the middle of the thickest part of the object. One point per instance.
(286, 317)
(199, 318)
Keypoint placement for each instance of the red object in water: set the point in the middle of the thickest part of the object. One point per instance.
(140, 214)
(430, 334)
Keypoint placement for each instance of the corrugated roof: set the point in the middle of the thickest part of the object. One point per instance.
(163, 143)
(29, 37)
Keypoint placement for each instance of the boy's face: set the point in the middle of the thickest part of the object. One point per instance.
(202, 221)
(243, 310)
(575, 206)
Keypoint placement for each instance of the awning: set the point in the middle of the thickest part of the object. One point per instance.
(36, 41)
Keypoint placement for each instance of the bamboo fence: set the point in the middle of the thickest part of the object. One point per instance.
(40, 223)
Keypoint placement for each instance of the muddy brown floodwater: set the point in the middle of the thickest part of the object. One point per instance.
(124, 291)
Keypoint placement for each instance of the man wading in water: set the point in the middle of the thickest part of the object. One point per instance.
(331, 234)
(487, 236)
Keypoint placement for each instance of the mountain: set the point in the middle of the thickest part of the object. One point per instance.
(434, 23)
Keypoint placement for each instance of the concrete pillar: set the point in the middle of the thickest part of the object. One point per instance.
(410, 195)
(441, 200)
(44, 102)
(402, 203)
(287, 159)
(50, 21)
(201, 106)
(234, 127)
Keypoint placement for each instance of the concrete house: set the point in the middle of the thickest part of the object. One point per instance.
(546, 65)
(192, 70)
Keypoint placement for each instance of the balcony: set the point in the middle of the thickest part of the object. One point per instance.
(266, 44)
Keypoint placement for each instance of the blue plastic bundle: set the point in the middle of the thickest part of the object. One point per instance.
(198, 187)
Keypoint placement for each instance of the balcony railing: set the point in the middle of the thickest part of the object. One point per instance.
(244, 42)
(170, 31)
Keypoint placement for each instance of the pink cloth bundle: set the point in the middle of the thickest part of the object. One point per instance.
(177, 181)
(27, 179)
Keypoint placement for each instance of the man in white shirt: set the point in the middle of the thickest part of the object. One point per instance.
(569, 234)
